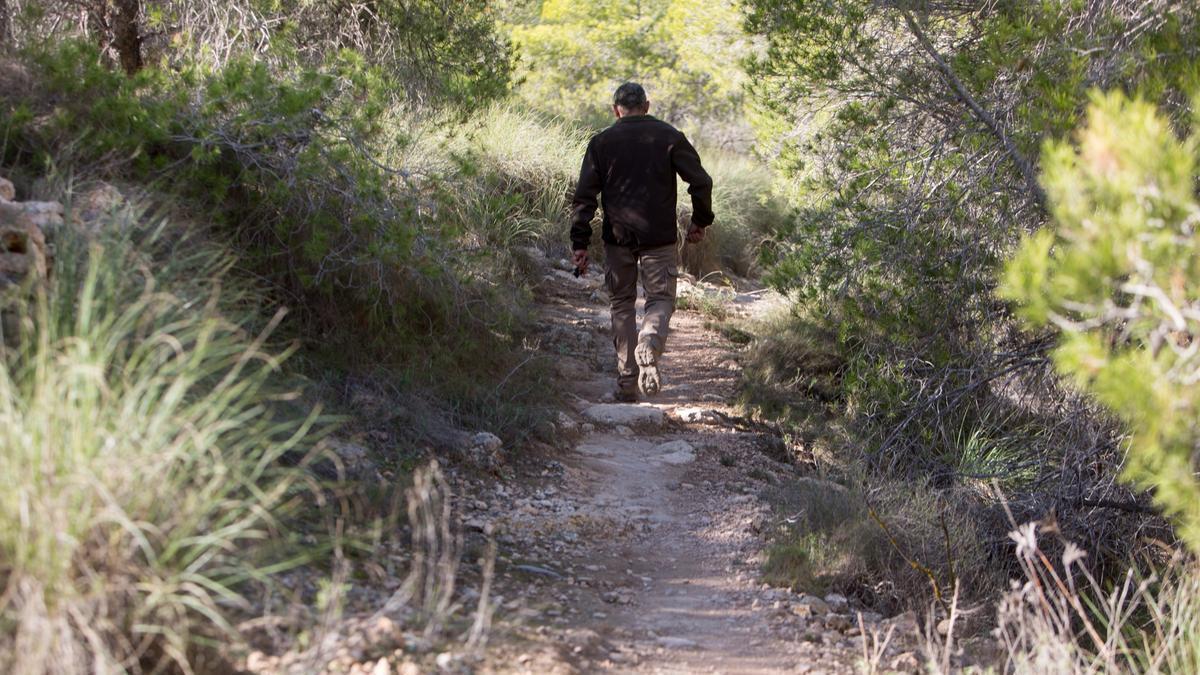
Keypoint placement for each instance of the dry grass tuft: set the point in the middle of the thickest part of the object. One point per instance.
(1061, 619)
(143, 450)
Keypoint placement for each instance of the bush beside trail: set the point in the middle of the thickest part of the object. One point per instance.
(155, 471)
(912, 136)
(367, 257)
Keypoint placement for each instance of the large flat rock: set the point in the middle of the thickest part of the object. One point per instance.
(675, 452)
(625, 414)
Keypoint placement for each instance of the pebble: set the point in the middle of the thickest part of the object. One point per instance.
(816, 605)
(383, 631)
(676, 643)
(871, 617)
(838, 622)
(837, 602)
(676, 452)
(696, 415)
(905, 623)
(614, 598)
(758, 523)
(906, 662)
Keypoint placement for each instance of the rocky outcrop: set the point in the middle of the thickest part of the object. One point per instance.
(22, 245)
(25, 227)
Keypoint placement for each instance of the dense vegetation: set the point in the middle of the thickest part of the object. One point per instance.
(914, 135)
(269, 216)
(982, 214)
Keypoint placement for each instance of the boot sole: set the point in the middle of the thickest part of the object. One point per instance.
(649, 380)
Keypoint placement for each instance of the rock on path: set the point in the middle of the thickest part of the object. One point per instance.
(625, 414)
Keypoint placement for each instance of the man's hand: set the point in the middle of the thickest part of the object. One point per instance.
(581, 261)
(695, 234)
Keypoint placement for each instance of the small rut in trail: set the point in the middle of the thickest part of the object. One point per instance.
(642, 552)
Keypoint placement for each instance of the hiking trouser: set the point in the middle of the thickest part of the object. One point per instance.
(659, 272)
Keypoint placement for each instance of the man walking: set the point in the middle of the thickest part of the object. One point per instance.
(632, 166)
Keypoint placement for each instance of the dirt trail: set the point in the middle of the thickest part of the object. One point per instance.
(641, 550)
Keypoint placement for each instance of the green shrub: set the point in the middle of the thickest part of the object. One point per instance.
(437, 52)
(574, 54)
(143, 451)
(908, 205)
(276, 156)
(793, 364)
(713, 306)
(1119, 276)
(377, 263)
(526, 161)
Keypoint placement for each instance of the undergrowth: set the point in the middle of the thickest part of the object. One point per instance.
(1061, 619)
(401, 272)
(152, 460)
(889, 538)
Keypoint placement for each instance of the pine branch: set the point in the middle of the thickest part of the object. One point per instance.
(988, 120)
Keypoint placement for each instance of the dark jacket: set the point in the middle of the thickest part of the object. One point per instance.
(632, 165)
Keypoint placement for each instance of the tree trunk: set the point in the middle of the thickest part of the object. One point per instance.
(5, 26)
(127, 34)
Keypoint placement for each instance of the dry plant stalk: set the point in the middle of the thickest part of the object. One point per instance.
(1062, 620)
(874, 647)
(938, 651)
(478, 635)
(437, 546)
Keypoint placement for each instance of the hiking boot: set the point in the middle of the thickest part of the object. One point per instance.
(625, 396)
(648, 379)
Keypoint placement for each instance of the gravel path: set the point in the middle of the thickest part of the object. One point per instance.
(639, 550)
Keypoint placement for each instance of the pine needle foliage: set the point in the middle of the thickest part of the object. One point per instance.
(1119, 276)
